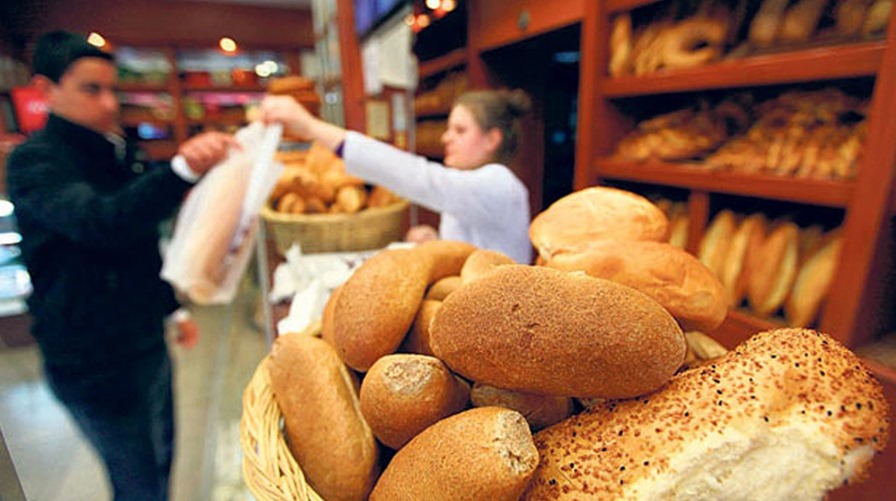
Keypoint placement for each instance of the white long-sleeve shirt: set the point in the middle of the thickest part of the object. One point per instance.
(487, 207)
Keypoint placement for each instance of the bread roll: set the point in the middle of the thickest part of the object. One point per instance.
(448, 257)
(669, 275)
(327, 434)
(716, 241)
(776, 267)
(748, 237)
(597, 213)
(812, 284)
(418, 339)
(790, 414)
(540, 410)
(481, 262)
(377, 305)
(327, 320)
(678, 230)
(403, 394)
(483, 453)
(540, 330)
(442, 287)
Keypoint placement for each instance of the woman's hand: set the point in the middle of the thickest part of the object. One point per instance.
(288, 111)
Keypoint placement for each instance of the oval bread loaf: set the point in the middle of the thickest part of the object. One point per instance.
(403, 394)
(418, 338)
(539, 330)
(377, 305)
(787, 415)
(481, 262)
(540, 410)
(483, 453)
(673, 277)
(327, 434)
(447, 256)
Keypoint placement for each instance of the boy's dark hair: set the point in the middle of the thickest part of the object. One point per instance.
(57, 50)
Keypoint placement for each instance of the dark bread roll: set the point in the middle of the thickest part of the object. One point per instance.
(540, 410)
(789, 414)
(483, 454)
(534, 329)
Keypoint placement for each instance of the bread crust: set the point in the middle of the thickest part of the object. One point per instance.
(776, 266)
(792, 385)
(540, 411)
(812, 284)
(541, 330)
(482, 261)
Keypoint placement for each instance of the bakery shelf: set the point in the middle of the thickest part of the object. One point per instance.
(823, 63)
(225, 88)
(451, 60)
(694, 177)
(626, 5)
(142, 87)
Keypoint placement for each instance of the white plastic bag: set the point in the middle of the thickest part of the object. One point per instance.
(216, 227)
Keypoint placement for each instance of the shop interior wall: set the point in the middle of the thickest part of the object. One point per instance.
(156, 23)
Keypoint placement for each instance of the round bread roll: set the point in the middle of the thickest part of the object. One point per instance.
(812, 284)
(418, 338)
(328, 436)
(789, 414)
(482, 453)
(540, 411)
(669, 275)
(447, 256)
(377, 305)
(716, 241)
(482, 261)
(540, 330)
(403, 394)
(776, 266)
(327, 321)
(597, 213)
(442, 287)
(747, 238)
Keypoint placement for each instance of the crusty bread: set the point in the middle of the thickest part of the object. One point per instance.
(678, 229)
(540, 410)
(671, 276)
(748, 237)
(448, 257)
(327, 434)
(787, 415)
(597, 213)
(440, 289)
(540, 330)
(776, 266)
(403, 394)
(716, 241)
(417, 339)
(481, 262)
(482, 453)
(327, 316)
(377, 305)
(812, 283)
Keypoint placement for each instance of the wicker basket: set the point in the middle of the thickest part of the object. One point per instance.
(269, 469)
(372, 228)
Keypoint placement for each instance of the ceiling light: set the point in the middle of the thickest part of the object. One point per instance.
(96, 39)
(227, 44)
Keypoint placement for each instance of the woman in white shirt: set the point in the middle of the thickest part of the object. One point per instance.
(479, 198)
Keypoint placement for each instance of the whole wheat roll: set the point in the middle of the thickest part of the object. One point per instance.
(318, 397)
(479, 454)
(327, 319)
(403, 394)
(788, 415)
(418, 338)
(540, 411)
(447, 256)
(377, 305)
(597, 213)
(540, 330)
(673, 277)
(482, 261)
(440, 289)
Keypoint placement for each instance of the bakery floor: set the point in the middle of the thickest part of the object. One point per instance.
(53, 461)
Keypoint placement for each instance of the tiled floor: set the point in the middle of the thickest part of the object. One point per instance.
(54, 463)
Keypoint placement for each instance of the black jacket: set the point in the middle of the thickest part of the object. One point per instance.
(90, 239)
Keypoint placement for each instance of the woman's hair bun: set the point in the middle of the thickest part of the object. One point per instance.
(518, 102)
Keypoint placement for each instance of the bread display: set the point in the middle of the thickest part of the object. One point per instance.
(418, 338)
(483, 453)
(742, 250)
(775, 270)
(327, 434)
(717, 241)
(596, 213)
(789, 414)
(540, 410)
(812, 283)
(672, 277)
(440, 289)
(447, 257)
(540, 330)
(403, 394)
(481, 262)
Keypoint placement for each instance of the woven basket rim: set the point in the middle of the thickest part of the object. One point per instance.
(271, 215)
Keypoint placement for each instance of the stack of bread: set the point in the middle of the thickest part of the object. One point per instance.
(774, 266)
(437, 364)
(315, 182)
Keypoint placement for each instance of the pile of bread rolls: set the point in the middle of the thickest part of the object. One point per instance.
(315, 182)
(773, 265)
(436, 365)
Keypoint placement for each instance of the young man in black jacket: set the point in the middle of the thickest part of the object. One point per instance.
(89, 214)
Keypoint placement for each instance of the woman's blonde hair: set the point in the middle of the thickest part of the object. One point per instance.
(499, 109)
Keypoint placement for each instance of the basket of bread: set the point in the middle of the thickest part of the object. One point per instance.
(317, 204)
(448, 372)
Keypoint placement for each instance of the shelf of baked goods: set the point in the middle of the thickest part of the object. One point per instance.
(822, 63)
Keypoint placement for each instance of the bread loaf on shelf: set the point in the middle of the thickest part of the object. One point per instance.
(776, 265)
(789, 414)
(744, 246)
(717, 240)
